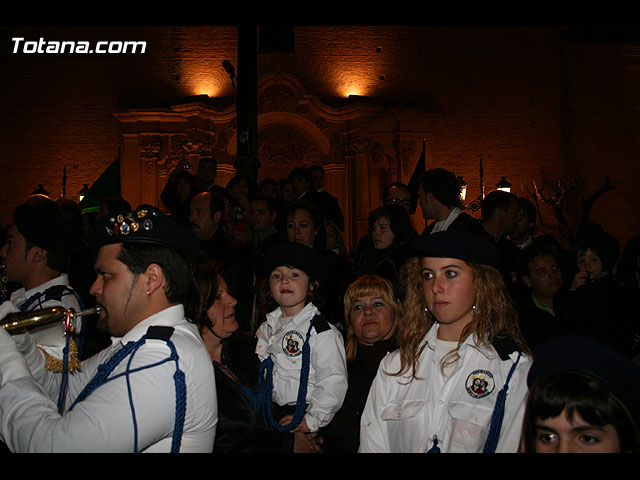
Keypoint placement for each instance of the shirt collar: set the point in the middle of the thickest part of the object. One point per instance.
(299, 319)
(21, 295)
(469, 342)
(168, 317)
(446, 223)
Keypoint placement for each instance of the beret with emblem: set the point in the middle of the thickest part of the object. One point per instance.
(146, 224)
(604, 363)
(296, 255)
(41, 222)
(459, 244)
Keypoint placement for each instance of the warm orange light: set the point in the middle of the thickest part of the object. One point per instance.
(358, 81)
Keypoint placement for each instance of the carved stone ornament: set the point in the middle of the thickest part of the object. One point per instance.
(149, 154)
(282, 145)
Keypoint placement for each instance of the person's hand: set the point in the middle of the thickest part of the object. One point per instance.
(22, 340)
(307, 443)
(12, 363)
(7, 307)
(301, 428)
(580, 279)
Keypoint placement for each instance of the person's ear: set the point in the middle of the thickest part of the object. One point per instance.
(37, 255)
(526, 280)
(154, 278)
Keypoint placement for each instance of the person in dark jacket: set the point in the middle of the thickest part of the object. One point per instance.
(371, 310)
(595, 305)
(386, 247)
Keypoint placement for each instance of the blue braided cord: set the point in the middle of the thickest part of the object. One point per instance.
(106, 368)
(261, 397)
(64, 383)
(498, 413)
(435, 448)
(181, 400)
(256, 395)
(127, 373)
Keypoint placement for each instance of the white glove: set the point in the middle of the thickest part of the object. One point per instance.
(12, 363)
(6, 308)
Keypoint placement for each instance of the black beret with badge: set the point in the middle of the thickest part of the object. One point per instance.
(41, 222)
(459, 244)
(146, 224)
(296, 255)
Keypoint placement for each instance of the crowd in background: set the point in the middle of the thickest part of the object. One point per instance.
(588, 289)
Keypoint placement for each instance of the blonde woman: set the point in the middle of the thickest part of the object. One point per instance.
(371, 311)
(457, 382)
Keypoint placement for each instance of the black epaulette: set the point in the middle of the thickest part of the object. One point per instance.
(320, 323)
(158, 332)
(504, 345)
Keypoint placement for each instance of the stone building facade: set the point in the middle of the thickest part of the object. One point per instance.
(543, 106)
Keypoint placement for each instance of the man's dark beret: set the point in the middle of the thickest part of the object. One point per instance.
(41, 222)
(296, 255)
(146, 224)
(459, 244)
(589, 356)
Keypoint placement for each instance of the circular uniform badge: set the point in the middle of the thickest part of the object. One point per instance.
(292, 343)
(480, 383)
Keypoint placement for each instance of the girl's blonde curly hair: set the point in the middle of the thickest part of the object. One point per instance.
(494, 314)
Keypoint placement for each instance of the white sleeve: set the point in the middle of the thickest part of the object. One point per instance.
(103, 422)
(373, 430)
(262, 334)
(330, 383)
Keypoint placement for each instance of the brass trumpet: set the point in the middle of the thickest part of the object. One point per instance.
(21, 322)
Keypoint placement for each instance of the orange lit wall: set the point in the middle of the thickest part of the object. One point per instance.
(531, 104)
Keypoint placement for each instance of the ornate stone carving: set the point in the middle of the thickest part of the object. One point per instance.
(149, 153)
(282, 145)
(277, 98)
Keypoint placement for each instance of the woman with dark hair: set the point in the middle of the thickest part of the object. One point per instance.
(181, 189)
(386, 246)
(371, 311)
(457, 382)
(594, 304)
(583, 398)
(239, 429)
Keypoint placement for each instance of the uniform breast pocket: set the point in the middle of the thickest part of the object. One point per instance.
(469, 426)
(405, 425)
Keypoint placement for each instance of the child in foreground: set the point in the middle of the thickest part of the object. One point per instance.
(304, 371)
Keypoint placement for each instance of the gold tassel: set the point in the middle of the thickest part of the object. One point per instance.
(55, 364)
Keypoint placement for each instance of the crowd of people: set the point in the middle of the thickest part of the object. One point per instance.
(236, 320)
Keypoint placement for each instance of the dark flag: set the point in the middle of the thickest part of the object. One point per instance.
(108, 184)
(414, 182)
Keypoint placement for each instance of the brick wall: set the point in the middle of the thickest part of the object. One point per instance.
(530, 105)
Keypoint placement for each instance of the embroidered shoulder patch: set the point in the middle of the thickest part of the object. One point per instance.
(480, 383)
(292, 343)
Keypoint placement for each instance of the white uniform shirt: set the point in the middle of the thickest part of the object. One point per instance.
(283, 339)
(404, 415)
(103, 422)
(50, 337)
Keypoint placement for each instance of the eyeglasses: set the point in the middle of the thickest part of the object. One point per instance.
(400, 201)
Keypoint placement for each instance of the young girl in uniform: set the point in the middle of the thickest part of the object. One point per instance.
(457, 383)
(303, 369)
